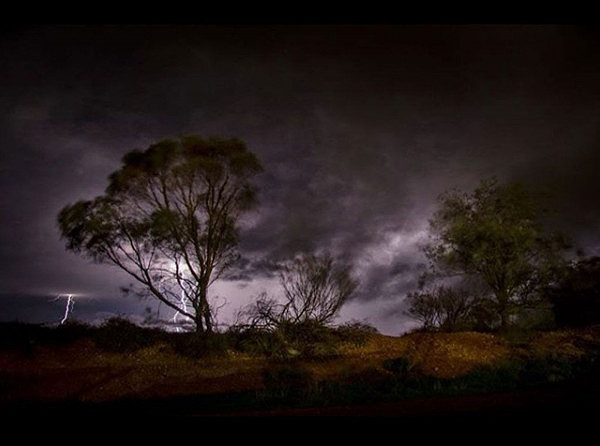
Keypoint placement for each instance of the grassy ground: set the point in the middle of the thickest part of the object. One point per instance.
(378, 368)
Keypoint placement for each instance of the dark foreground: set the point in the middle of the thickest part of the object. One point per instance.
(573, 401)
(566, 400)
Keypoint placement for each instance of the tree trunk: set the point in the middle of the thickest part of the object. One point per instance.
(198, 320)
(503, 310)
(207, 320)
(503, 321)
(203, 314)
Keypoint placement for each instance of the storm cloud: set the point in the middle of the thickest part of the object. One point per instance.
(359, 129)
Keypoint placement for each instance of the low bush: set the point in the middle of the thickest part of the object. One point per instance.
(255, 341)
(357, 333)
(199, 345)
(119, 335)
(69, 332)
(543, 370)
(287, 341)
(501, 376)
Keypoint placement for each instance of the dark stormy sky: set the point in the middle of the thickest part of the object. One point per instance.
(359, 129)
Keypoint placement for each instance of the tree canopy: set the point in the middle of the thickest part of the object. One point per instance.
(168, 218)
(496, 234)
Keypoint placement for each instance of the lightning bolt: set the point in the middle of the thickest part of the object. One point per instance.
(184, 305)
(68, 307)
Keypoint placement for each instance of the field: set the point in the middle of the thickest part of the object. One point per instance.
(376, 374)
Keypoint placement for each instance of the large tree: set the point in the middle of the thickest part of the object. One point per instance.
(496, 234)
(168, 218)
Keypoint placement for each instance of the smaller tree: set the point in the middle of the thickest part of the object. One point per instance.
(443, 308)
(495, 234)
(314, 290)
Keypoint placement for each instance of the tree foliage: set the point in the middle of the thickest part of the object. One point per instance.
(496, 234)
(168, 218)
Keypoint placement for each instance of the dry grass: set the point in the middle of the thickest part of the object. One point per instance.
(567, 343)
(81, 371)
(444, 355)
